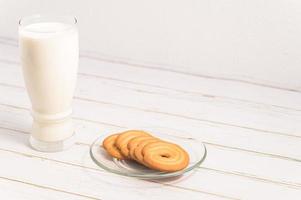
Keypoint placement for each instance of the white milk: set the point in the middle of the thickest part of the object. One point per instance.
(49, 55)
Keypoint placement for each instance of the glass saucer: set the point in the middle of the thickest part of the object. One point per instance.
(195, 148)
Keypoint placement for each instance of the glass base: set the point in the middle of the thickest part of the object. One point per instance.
(51, 146)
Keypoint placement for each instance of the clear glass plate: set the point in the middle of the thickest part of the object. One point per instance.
(195, 148)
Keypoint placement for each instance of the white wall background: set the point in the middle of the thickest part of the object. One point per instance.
(257, 41)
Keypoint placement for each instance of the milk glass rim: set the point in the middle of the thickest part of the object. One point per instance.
(56, 18)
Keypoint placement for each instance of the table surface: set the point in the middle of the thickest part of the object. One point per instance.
(252, 133)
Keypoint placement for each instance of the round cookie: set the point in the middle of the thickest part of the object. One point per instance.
(110, 147)
(133, 143)
(138, 155)
(123, 139)
(164, 156)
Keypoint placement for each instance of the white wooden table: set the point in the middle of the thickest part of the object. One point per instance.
(252, 133)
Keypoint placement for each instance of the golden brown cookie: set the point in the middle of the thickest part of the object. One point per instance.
(164, 156)
(110, 147)
(133, 143)
(123, 139)
(138, 155)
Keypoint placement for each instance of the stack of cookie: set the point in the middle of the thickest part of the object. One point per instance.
(147, 150)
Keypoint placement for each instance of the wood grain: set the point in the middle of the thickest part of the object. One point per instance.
(127, 117)
(166, 68)
(173, 81)
(80, 155)
(191, 108)
(20, 190)
(202, 108)
(252, 132)
(163, 67)
(246, 169)
(87, 182)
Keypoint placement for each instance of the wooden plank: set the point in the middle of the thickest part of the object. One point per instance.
(172, 118)
(204, 109)
(73, 170)
(15, 189)
(248, 117)
(224, 160)
(236, 137)
(89, 182)
(275, 120)
(182, 84)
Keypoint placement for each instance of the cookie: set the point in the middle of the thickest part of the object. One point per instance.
(147, 150)
(138, 155)
(110, 147)
(133, 143)
(123, 139)
(164, 156)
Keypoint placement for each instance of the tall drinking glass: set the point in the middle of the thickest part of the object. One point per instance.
(49, 57)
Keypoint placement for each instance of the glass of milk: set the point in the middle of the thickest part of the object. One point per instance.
(49, 57)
